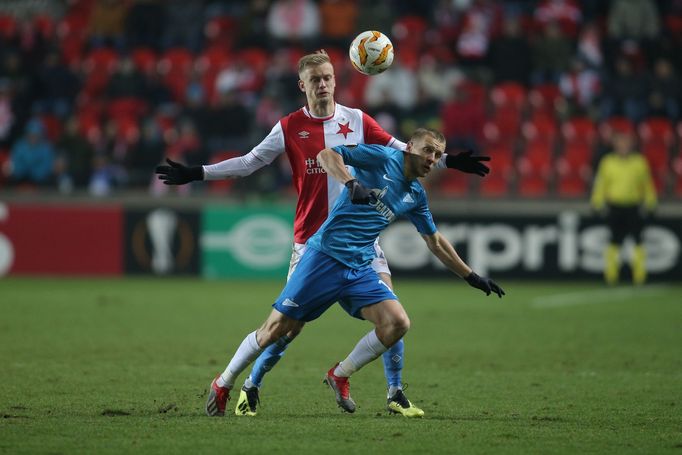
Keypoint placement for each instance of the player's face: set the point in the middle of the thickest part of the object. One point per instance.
(318, 83)
(424, 152)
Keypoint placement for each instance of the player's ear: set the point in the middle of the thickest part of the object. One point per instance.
(301, 85)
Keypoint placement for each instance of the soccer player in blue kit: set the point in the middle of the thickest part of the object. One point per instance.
(336, 265)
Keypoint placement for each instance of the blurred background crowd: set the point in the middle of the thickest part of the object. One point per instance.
(95, 93)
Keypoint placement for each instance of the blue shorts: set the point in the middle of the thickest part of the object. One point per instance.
(320, 280)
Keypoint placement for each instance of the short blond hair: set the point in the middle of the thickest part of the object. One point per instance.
(315, 59)
(421, 132)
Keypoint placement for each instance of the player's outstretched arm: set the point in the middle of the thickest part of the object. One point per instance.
(467, 162)
(333, 164)
(447, 254)
(178, 174)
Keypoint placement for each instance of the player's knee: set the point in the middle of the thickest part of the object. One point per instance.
(400, 325)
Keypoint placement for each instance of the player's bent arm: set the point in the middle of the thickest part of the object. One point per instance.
(446, 253)
(333, 164)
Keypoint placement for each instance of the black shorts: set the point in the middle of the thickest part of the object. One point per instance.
(624, 220)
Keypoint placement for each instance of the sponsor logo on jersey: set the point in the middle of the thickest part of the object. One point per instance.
(303, 134)
(408, 199)
(386, 177)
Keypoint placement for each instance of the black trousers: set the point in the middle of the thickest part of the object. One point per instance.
(624, 220)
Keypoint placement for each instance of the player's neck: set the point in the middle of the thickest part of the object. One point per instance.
(322, 109)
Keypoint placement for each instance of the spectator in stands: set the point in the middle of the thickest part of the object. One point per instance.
(551, 54)
(624, 92)
(624, 193)
(32, 157)
(579, 86)
(56, 87)
(107, 23)
(146, 154)
(396, 87)
(509, 55)
(281, 81)
(566, 13)
(126, 81)
(144, 24)
(74, 158)
(589, 47)
(227, 124)
(184, 24)
(463, 117)
(240, 79)
(6, 112)
(664, 91)
(294, 22)
(633, 19)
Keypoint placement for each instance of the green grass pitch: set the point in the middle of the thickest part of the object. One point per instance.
(122, 366)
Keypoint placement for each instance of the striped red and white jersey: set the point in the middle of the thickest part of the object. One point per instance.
(302, 136)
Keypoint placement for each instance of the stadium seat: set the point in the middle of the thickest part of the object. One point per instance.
(656, 130)
(176, 60)
(508, 96)
(617, 123)
(213, 59)
(98, 66)
(498, 182)
(657, 156)
(534, 171)
(574, 170)
(144, 59)
(542, 99)
(256, 58)
(579, 130)
(677, 173)
(540, 129)
(8, 26)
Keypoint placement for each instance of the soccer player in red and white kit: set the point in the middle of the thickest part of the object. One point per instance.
(321, 124)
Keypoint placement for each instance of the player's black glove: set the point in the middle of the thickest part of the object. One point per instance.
(484, 284)
(465, 162)
(358, 193)
(179, 174)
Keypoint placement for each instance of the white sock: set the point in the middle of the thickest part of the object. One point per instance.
(368, 348)
(246, 353)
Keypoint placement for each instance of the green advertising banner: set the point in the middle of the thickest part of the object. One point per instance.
(246, 242)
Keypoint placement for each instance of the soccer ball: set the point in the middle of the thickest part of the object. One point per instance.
(371, 52)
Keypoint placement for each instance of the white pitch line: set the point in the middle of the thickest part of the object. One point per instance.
(593, 296)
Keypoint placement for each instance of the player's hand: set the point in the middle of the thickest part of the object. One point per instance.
(358, 193)
(484, 284)
(466, 162)
(179, 174)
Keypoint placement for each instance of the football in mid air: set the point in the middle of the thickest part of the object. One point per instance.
(371, 52)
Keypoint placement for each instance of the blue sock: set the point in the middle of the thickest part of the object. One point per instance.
(268, 359)
(393, 364)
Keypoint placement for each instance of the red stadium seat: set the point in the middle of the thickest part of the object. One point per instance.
(540, 130)
(498, 182)
(608, 127)
(144, 59)
(677, 173)
(579, 130)
(176, 60)
(8, 26)
(256, 58)
(543, 99)
(508, 95)
(574, 170)
(213, 59)
(657, 155)
(534, 171)
(656, 130)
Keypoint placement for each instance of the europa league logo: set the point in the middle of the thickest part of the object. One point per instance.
(162, 227)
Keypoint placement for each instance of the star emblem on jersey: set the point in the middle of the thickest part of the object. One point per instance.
(408, 199)
(344, 129)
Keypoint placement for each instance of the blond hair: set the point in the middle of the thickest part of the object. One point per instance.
(421, 132)
(315, 59)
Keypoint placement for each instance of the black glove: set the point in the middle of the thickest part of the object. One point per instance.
(179, 174)
(484, 284)
(465, 162)
(358, 193)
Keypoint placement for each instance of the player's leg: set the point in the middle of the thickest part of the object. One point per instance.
(266, 361)
(274, 327)
(616, 225)
(638, 261)
(394, 358)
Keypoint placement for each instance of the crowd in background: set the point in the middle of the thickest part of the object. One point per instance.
(95, 93)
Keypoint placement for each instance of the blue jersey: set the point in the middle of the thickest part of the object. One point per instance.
(349, 232)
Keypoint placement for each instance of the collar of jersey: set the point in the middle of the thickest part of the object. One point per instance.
(307, 112)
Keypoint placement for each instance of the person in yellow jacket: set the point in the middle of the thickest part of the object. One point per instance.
(624, 191)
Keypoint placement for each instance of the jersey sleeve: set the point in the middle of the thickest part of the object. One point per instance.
(261, 155)
(363, 156)
(421, 217)
(375, 134)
